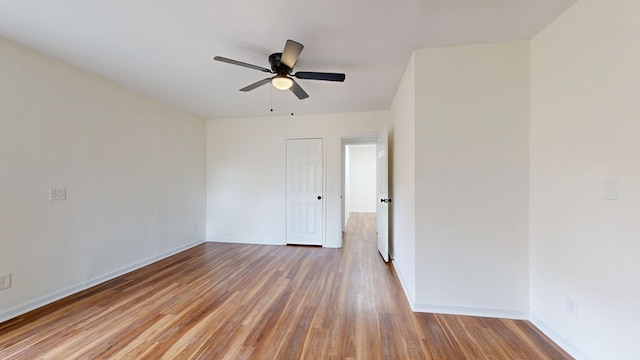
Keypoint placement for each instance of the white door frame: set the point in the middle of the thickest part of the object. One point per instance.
(324, 183)
(382, 189)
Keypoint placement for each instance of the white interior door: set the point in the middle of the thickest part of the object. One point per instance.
(305, 200)
(383, 201)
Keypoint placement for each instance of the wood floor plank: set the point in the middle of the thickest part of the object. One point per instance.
(235, 301)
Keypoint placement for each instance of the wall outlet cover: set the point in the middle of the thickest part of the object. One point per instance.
(57, 194)
(5, 281)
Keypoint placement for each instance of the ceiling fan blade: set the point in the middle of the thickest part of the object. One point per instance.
(240, 63)
(256, 84)
(311, 75)
(292, 50)
(298, 91)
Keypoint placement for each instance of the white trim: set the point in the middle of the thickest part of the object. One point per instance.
(73, 289)
(39, 302)
(473, 311)
(332, 246)
(407, 294)
(522, 314)
(557, 338)
(247, 241)
(493, 313)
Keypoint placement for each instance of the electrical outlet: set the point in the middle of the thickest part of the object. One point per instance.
(572, 306)
(5, 281)
(56, 194)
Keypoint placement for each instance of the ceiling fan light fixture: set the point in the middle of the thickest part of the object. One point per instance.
(282, 82)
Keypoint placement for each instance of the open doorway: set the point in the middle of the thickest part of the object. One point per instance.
(359, 180)
(365, 184)
(355, 164)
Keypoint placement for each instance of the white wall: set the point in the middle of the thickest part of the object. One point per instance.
(361, 191)
(472, 179)
(585, 128)
(246, 183)
(402, 186)
(134, 170)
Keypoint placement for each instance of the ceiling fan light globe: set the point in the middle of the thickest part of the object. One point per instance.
(282, 82)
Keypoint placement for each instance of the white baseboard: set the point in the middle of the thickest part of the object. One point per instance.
(39, 302)
(60, 294)
(557, 338)
(522, 314)
(407, 293)
(332, 246)
(248, 241)
(472, 311)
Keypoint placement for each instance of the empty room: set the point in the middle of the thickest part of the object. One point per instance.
(181, 180)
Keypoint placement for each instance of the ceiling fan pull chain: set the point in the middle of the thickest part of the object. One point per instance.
(271, 92)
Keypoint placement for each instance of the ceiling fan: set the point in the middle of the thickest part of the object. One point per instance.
(282, 66)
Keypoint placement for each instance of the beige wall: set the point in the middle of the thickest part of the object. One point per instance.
(246, 181)
(134, 170)
(585, 129)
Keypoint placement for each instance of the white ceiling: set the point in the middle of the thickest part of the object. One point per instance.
(165, 48)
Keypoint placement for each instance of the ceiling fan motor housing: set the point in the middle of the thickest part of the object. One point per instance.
(276, 66)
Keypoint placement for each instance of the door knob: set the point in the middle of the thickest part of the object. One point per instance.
(319, 197)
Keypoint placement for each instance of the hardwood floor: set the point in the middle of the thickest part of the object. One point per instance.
(231, 301)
